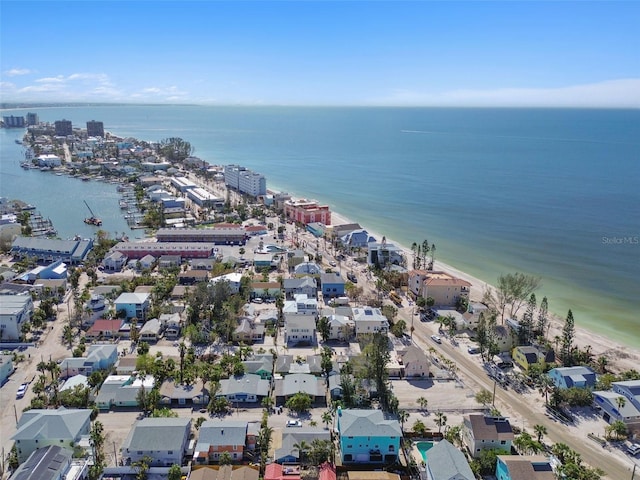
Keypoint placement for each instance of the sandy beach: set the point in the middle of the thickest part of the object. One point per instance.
(620, 357)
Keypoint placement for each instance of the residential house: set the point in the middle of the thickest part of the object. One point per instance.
(384, 255)
(306, 285)
(288, 451)
(93, 310)
(6, 368)
(415, 362)
(264, 260)
(503, 338)
(486, 433)
(446, 462)
(341, 327)
(176, 394)
(114, 261)
(39, 428)
(150, 331)
(171, 324)
(375, 475)
(234, 281)
(300, 329)
(225, 472)
(622, 403)
(367, 437)
(191, 277)
(218, 436)
(369, 320)
(163, 440)
(332, 285)
(147, 262)
(135, 305)
(265, 289)
(122, 391)
(525, 356)
(306, 268)
(359, 238)
(105, 329)
(15, 311)
(275, 471)
(169, 261)
(76, 381)
(472, 315)
(518, 467)
(260, 364)
(335, 386)
(247, 388)
(127, 365)
(568, 377)
(445, 289)
(301, 305)
(99, 357)
(203, 263)
(294, 383)
(248, 331)
(47, 463)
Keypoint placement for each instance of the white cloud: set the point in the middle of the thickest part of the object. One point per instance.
(622, 93)
(14, 72)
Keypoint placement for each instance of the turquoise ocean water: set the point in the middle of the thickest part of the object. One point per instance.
(551, 192)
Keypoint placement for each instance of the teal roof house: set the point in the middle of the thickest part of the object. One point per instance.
(366, 437)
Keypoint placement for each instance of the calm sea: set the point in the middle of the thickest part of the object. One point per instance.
(551, 192)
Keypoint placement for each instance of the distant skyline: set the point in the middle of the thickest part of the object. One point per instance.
(354, 53)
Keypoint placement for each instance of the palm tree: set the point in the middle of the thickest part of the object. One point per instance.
(441, 420)
(423, 402)
(327, 418)
(621, 402)
(403, 416)
(602, 364)
(540, 430)
(546, 387)
(302, 447)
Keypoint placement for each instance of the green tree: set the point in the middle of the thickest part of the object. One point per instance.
(543, 318)
(441, 420)
(299, 402)
(327, 418)
(568, 335)
(399, 328)
(423, 402)
(324, 328)
(484, 397)
(419, 428)
(224, 458)
(376, 357)
(512, 290)
(540, 431)
(175, 472)
(403, 416)
(141, 467)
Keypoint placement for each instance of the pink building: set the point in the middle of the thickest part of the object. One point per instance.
(307, 211)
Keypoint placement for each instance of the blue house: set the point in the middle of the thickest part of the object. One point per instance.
(357, 239)
(134, 304)
(332, 285)
(567, 377)
(366, 437)
(518, 467)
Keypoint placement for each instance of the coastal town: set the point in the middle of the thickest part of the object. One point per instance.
(254, 335)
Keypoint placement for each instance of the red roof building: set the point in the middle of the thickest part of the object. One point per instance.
(275, 471)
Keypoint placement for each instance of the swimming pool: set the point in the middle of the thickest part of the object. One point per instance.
(423, 447)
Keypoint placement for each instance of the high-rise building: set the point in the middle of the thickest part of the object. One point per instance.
(32, 119)
(95, 129)
(244, 180)
(13, 122)
(63, 128)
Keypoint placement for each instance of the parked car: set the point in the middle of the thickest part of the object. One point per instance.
(436, 338)
(22, 390)
(333, 264)
(294, 423)
(257, 300)
(473, 350)
(352, 278)
(633, 449)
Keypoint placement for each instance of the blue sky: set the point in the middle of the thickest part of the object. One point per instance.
(481, 53)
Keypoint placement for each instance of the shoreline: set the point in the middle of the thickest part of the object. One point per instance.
(620, 357)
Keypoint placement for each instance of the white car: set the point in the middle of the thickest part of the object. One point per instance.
(22, 390)
(633, 449)
(294, 423)
(436, 338)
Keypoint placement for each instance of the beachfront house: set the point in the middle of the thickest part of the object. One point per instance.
(163, 440)
(569, 377)
(359, 238)
(445, 289)
(482, 432)
(527, 355)
(365, 436)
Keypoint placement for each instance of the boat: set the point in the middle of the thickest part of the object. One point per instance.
(123, 205)
(92, 220)
(19, 142)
